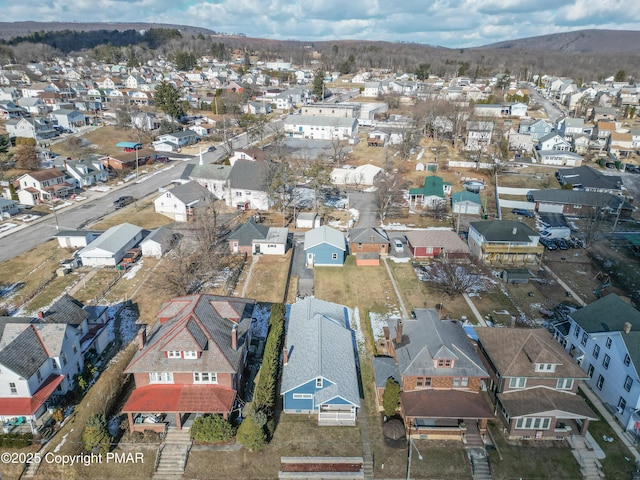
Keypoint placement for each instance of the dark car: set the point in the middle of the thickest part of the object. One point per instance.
(523, 212)
(548, 244)
(561, 243)
(123, 201)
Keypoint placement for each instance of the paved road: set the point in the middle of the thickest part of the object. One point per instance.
(554, 112)
(364, 203)
(99, 205)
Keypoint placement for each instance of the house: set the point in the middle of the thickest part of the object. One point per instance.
(249, 185)
(569, 127)
(9, 110)
(519, 141)
(372, 89)
(579, 203)
(589, 179)
(377, 138)
(308, 220)
(436, 242)
(255, 239)
(621, 144)
(504, 242)
(34, 105)
(535, 128)
(478, 135)
(533, 384)
(250, 153)
(82, 173)
(110, 247)
(256, 108)
(43, 186)
(324, 246)
(69, 119)
(126, 161)
(431, 194)
(38, 128)
(8, 208)
(319, 372)
(557, 157)
(553, 141)
(441, 377)
(192, 362)
(466, 202)
(179, 139)
(320, 127)
(362, 175)
(367, 244)
(158, 242)
(182, 202)
(76, 238)
(604, 338)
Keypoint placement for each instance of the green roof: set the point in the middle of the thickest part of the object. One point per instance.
(466, 196)
(608, 314)
(433, 186)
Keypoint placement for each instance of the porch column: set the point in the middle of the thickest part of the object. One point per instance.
(178, 421)
(130, 418)
(585, 426)
(482, 423)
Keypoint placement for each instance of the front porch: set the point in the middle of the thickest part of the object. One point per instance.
(336, 416)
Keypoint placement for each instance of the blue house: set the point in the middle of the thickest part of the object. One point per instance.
(319, 374)
(325, 246)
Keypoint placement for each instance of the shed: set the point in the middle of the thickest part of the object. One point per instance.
(515, 275)
(158, 242)
(109, 248)
(76, 238)
(308, 220)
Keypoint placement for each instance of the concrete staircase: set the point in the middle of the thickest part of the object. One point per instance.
(173, 456)
(584, 452)
(476, 452)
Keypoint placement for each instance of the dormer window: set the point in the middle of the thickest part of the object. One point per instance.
(444, 363)
(545, 367)
(174, 354)
(191, 354)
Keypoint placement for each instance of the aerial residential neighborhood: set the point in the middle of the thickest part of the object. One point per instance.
(229, 258)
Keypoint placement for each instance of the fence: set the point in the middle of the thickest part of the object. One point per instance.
(517, 204)
(515, 191)
(477, 166)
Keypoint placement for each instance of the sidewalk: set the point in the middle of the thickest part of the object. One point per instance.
(624, 437)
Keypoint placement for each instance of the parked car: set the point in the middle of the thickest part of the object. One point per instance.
(522, 212)
(398, 246)
(561, 243)
(123, 201)
(548, 244)
(132, 255)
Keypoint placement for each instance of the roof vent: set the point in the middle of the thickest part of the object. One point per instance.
(515, 230)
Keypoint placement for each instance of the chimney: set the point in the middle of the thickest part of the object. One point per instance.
(285, 355)
(399, 332)
(142, 337)
(515, 230)
(627, 327)
(234, 337)
(40, 314)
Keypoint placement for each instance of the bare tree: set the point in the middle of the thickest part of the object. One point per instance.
(339, 151)
(452, 278)
(388, 194)
(318, 178)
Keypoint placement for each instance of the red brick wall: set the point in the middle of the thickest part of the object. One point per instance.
(182, 378)
(368, 247)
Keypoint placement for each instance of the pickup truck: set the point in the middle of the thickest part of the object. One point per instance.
(123, 201)
(132, 255)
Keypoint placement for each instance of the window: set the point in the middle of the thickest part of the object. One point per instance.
(627, 360)
(54, 364)
(628, 383)
(545, 367)
(302, 396)
(608, 344)
(75, 349)
(533, 423)
(205, 377)
(596, 351)
(64, 358)
(622, 403)
(564, 383)
(319, 382)
(173, 354)
(446, 363)
(359, 246)
(423, 382)
(160, 377)
(600, 382)
(517, 382)
(605, 361)
(460, 381)
(577, 332)
(334, 256)
(191, 354)
(13, 388)
(585, 337)
(590, 371)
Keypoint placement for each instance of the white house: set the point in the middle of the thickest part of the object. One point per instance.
(158, 242)
(320, 127)
(69, 119)
(553, 141)
(76, 238)
(42, 186)
(181, 202)
(478, 135)
(110, 247)
(363, 175)
(558, 157)
(603, 339)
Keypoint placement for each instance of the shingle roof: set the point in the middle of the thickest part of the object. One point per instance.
(320, 344)
(247, 232)
(368, 235)
(211, 171)
(324, 234)
(447, 239)
(503, 231)
(114, 239)
(426, 338)
(25, 353)
(544, 401)
(607, 314)
(250, 175)
(579, 197)
(65, 310)
(587, 177)
(319, 120)
(515, 351)
(48, 174)
(190, 192)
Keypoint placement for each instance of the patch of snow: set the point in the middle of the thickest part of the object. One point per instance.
(357, 328)
(128, 326)
(260, 320)
(420, 153)
(399, 260)
(131, 273)
(62, 442)
(377, 322)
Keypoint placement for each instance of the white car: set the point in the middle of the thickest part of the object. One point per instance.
(398, 246)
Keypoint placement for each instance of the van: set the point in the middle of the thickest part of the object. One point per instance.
(553, 233)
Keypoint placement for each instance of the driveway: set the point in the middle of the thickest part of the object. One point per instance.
(298, 268)
(364, 202)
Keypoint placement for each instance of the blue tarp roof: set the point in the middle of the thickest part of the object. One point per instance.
(129, 145)
(471, 332)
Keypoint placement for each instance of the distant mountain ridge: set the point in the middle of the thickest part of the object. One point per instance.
(10, 30)
(579, 41)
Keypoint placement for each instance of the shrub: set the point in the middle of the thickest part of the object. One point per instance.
(391, 397)
(211, 428)
(251, 435)
(95, 437)
(15, 440)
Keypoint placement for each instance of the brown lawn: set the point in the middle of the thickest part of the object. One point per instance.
(140, 214)
(268, 279)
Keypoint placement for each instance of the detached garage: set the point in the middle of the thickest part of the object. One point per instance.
(110, 247)
(158, 242)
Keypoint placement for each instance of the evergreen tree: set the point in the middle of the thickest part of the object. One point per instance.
(251, 435)
(167, 99)
(422, 71)
(95, 437)
(391, 397)
(621, 76)
(211, 428)
(5, 143)
(318, 84)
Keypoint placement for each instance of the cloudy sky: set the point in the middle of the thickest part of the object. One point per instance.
(450, 23)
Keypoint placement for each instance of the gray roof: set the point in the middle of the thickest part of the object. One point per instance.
(597, 316)
(114, 239)
(250, 175)
(53, 336)
(182, 134)
(210, 171)
(503, 231)
(65, 310)
(466, 196)
(553, 220)
(324, 234)
(247, 232)
(190, 192)
(4, 321)
(6, 201)
(25, 353)
(321, 121)
(77, 233)
(197, 322)
(320, 344)
(427, 338)
(587, 177)
(159, 235)
(276, 235)
(383, 368)
(368, 235)
(579, 197)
